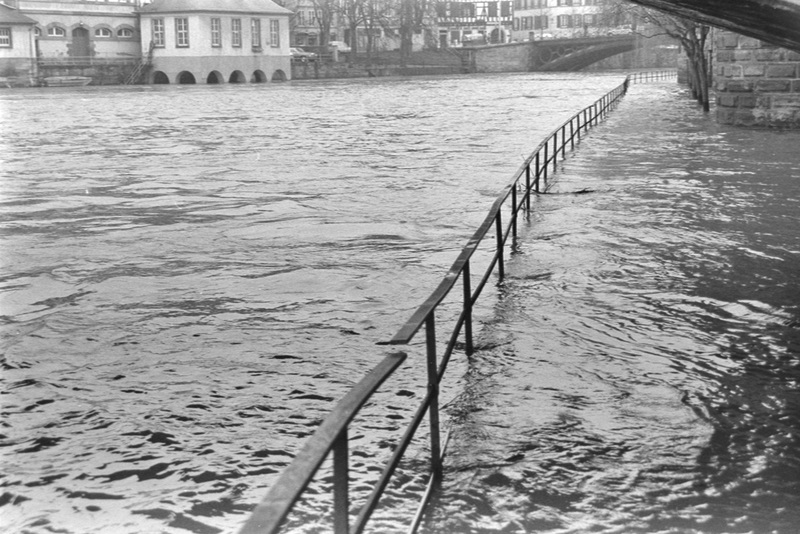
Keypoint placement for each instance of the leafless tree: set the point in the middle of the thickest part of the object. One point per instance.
(324, 12)
(692, 36)
(352, 12)
(411, 16)
(376, 15)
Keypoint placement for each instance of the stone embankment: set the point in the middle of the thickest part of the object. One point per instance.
(757, 84)
(383, 64)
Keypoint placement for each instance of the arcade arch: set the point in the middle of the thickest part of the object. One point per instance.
(186, 78)
(237, 76)
(160, 78)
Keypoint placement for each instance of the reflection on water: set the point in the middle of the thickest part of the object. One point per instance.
(192, 276)
(646, 351)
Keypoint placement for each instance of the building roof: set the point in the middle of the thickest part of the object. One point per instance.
(267, 7)
(9, 15)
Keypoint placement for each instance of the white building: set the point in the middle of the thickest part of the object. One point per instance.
(556, 19)
(473, 22)
(82, 31)
(17, 47)
(216, 41)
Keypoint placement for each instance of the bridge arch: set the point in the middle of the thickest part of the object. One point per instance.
(577, 54)
(578, 59)
(551, 54)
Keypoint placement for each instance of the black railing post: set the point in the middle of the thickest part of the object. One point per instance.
(538, 169)
(546, 163)
(501, 271)
(433, 391)
(555, 149)
(528, 188)
(467, 309)
(514, 213)
(572, 133)
(341, 496)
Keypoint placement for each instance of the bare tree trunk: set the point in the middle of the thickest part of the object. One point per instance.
(406, 31)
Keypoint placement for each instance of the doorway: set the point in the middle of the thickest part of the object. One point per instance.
(81, 47)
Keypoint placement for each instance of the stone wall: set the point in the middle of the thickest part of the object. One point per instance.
(102, 74)
(512, 57)
(312, 71)
(756, 84)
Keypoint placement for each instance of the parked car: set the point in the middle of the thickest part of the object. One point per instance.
(341, 46)
(298, 54)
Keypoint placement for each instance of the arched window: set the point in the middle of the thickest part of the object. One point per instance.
(125, 33)
(56, 31)
(37, 31)
(104, 33)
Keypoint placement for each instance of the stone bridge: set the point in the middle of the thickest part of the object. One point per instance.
(755, 83)
(547, 55)
(774, 21)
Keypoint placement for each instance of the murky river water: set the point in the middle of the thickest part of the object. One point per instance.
(643, 372)
(192, 276)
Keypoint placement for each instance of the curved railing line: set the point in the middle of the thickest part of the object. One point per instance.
(331, 436)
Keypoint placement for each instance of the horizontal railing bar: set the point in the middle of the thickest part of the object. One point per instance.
(412, 326)
(270, 512)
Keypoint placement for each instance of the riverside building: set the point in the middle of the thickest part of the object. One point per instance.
(179, 41)
(561, 19)
(216, 41)
(17, 47)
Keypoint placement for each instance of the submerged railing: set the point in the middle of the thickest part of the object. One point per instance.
(331, 436)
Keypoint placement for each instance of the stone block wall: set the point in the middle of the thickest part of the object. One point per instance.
(756, 84)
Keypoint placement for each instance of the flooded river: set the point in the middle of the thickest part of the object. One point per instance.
(642, 374)
(191, 276)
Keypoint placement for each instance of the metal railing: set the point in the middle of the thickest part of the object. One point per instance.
(331, 436)
(86, 61)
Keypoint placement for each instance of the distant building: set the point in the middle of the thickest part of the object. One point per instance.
(80, 31)
(216, 41)
(559, 19)
(17, 47)
(303, 26)
(473, 22)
